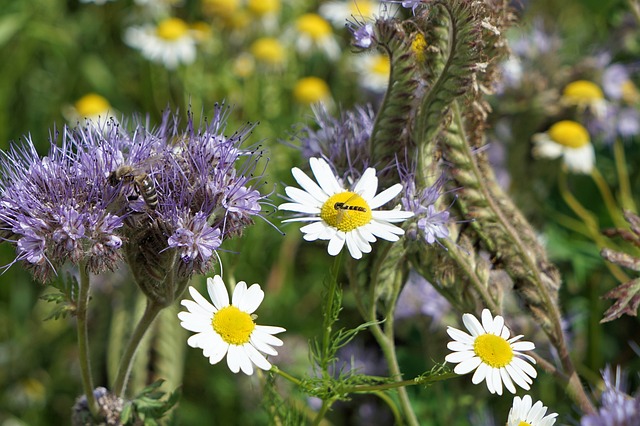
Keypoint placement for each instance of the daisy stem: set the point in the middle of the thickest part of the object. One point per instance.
(607, 196)
(330, 314)
(626, 199)
(386, 340)
(83, 339)
(590, 222)
(150, 312)
(286, 375)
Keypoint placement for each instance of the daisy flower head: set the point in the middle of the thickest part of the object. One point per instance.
(312, 90)
(373, 70)
(570, 140)
(224, 328)
(585, 94)
(524, 413)
(489, 351)
(170, 43)
(90, 107)
(313, 32)
(343, 216)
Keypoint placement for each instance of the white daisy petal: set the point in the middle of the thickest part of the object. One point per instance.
(218, 292)
(303, 197)
(267, 329)
(200, 300)
(487, 321)
(238, 294)
(523, 411)
(236, 357)
(496, 379)
(458, 357)
(391, 215)
(252, 300)
(336, 243)
(324, 175)
(481, 373)
(467, 366)
(473, 325)
(299, 208)
(256, 357)
(460, 336)
(506, 379)
(352, 245)
(385, 196)
(367, 185)
(309, 185)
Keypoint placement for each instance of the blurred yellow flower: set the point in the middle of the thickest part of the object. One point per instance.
(91, 105)
(220, 8)
(172, 29)
(419, 47)
(312, 30)
(567, 139)
(311, 90)
(585, 95)
(263, 7)
(268, 50)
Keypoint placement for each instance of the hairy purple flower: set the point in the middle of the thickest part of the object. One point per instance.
(54, 208)
(165, 197)
(432, 224)
(344, 140)
(618, 408)
(363, 34)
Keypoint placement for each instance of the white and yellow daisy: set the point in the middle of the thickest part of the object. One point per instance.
(373, 71)
(524, 413)
(269, 51)
(312, 31)
(585, 95)
(312, 90)
(570, 140)
(489, 351)
(91, 107)
(170, 43)
(229, 329)
(339, 11)
(342, 215)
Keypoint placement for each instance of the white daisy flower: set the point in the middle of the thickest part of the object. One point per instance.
(313, 32)
(229, 329)
(90, 108)
(373, 70)
(339, 11)
(341, 215)
(570, 140)
(170, 43)
(524, 413)
(585, 94)
(488, 350)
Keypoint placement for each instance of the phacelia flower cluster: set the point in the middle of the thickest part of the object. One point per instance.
(162, 198)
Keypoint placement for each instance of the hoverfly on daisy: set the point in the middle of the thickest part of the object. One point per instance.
(343, 216)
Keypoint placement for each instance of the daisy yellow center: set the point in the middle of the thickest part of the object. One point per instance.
(569, 133)
(419, 46)
(262, 7)
(268, 50)
(583, 91)
(346, 211)
(361, 8)
(381, 65)
(310, 90)
(313, 25)
(493, 350)
(233, 325)
(91, 104)
(522, 423)
(172, 29)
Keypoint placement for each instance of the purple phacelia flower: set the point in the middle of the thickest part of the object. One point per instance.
(432, 224)
(363, 35)
(52, 207)
(343, 140)
(196, 240)
(618, 408)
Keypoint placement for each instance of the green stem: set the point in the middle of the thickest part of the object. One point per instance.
(150, 312)
(83, 339)
(286, 375)
(626, 197)
(329, 314)
(386, 342)
(609, 201)
(590, 222)
(322, 412)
